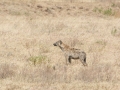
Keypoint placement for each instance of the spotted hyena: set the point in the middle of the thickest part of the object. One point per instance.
(71, 53)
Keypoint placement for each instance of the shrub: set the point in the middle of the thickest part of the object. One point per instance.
(37, 59)
(100, 10)
(95, 9)
(108, 12)
(114, 31)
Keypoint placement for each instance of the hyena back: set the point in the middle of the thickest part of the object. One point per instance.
(71, 53)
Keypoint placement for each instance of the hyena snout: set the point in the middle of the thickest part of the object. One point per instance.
(55, 44)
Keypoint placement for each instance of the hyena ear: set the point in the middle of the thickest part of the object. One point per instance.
(60, 42)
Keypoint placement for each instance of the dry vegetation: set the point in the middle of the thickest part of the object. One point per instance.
(29, 61)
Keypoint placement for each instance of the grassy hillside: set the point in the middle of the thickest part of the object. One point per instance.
(29, 61)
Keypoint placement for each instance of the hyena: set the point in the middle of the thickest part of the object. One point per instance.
(71, 53)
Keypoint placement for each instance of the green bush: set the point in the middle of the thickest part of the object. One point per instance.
(108, 12)
(100, 10)
(38, 59)
(95, 9)
(113, 32)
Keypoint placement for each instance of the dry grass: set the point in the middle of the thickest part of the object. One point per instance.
(6, 71)
(27, 37)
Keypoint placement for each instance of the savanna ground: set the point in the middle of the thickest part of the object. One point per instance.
(29, 61)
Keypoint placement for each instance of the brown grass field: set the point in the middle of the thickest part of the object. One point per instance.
(29, 61)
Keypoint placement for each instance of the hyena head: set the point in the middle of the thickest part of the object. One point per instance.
(58, 43)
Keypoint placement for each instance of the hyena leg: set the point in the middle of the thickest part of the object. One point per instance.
(83, 60)
(66, 58)
(69, 59)
(82, 57)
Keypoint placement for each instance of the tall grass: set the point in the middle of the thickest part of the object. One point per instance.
(6, 70)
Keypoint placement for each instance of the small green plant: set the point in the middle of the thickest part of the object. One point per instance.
(101, 44)
(38, 59)
(100, 10)
(114, 31)
(108, 12)
(113, 5)
(26, 13)
(95, 9)
(15, 13)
